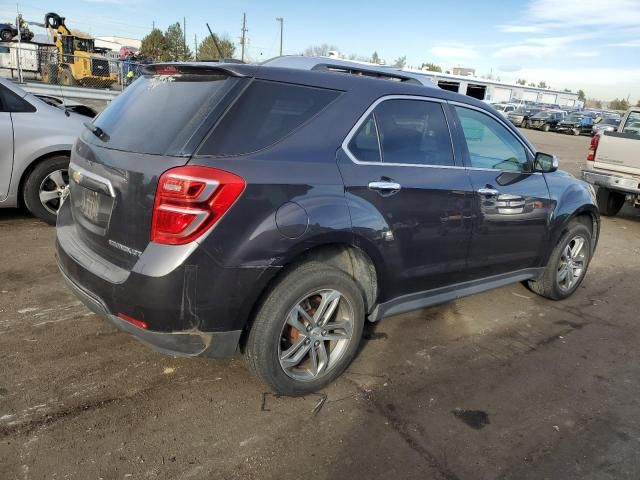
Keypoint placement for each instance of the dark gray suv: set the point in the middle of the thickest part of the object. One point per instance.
(223, 208)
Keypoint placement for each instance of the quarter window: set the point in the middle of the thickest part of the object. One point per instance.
(10, 102)
(263, 115)
(404, 131)
(490, 144)
(364, 145)
(632, 125)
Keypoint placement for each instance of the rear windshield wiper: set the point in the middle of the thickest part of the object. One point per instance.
(97, 131)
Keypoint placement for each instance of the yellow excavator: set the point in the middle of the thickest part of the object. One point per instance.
(77, 59)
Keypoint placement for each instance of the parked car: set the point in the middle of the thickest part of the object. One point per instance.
(607, 124)
(546, 120)
(505, 108)
(231, 225)
(36, 139)
(522, 116)
(576, 124)
(613, 165)
(8, 32)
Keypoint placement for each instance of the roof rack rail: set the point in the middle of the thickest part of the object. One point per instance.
(364, 72)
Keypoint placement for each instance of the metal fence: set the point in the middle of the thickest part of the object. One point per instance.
(30, 62)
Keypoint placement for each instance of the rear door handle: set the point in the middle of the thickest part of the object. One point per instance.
(488, 192)
(385, 188)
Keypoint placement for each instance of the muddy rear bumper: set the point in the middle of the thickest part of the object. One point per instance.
(184, 343)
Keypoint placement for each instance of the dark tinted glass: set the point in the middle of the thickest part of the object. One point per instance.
(413, 132)
(158, 114)
(364, 144)
(264, 114)
(10, 102)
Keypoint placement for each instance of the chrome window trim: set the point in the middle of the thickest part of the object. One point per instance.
(372, 107)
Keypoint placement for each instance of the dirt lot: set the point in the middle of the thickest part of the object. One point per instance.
(502, 385)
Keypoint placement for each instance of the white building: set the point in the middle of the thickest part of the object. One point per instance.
(115, 43)
(495, 91)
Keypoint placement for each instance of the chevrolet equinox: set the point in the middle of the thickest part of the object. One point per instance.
(223, 208)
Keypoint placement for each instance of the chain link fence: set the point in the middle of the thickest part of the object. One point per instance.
(30, 62)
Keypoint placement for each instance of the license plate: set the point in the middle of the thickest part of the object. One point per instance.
(90, 204)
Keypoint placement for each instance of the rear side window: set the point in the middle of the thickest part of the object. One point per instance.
(10, 102)
(263, 115)
(158, 114)
(414, 132)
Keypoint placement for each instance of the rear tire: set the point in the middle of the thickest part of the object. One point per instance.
(563, 275)
(280, 325)
(67, 78)
(576, 131)
(609, 202)
(545, 127)
(43, 188)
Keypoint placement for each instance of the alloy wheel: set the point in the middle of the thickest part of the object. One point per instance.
(52, 190)
(572, 263)
(316, 334)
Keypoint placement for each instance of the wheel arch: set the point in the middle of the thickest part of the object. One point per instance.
(32, 165)
(347, 257)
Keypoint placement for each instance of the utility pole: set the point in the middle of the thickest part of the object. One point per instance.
(184, 38)
(243, 39)
(281, 20)
(195, 44)
(153, 25)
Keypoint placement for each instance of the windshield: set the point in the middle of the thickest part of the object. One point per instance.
(574, 118)
(611, 121)
(542, 115)
(500, 107)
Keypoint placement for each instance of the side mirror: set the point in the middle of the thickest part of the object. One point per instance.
(545, 163)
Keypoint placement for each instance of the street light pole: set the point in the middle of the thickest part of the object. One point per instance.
(281, 20)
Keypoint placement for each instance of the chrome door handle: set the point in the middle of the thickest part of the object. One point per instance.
(488, 192)
(385, 187)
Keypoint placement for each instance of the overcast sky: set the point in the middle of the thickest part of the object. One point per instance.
(588, 44)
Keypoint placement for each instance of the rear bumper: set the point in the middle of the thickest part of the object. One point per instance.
(192, 305)
(612, 181)
(183, 344)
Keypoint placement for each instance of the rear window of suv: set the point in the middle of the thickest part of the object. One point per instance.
(158, 114)
(263, 115)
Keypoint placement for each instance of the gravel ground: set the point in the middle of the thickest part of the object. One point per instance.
(502, 385)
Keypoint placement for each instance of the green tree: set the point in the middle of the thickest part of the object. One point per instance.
(618, 104)
(531, 84)
(567, 90)
(207, 49)
(154, 46)
(521, 81)
(598, 104)
(581, 95)
(375, 58)
(400, 62)
(431, 67)
(638, 104)
(178, 51)
(319, 50)
(542, 84)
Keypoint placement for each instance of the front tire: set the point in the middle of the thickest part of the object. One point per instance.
(44, 188)
(307, 329)
(567, 264)
(545, 127)
(609, 202)
(576, 131)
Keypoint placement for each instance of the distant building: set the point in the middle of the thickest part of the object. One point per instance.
(462, 71)
(115, 43)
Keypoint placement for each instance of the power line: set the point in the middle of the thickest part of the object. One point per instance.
(243, 38)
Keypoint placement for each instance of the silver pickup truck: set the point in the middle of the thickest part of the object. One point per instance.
(613, 164)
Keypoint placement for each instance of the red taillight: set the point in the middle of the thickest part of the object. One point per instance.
(165, 70)
(190, 200)
(133, 321)
(595, 140)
